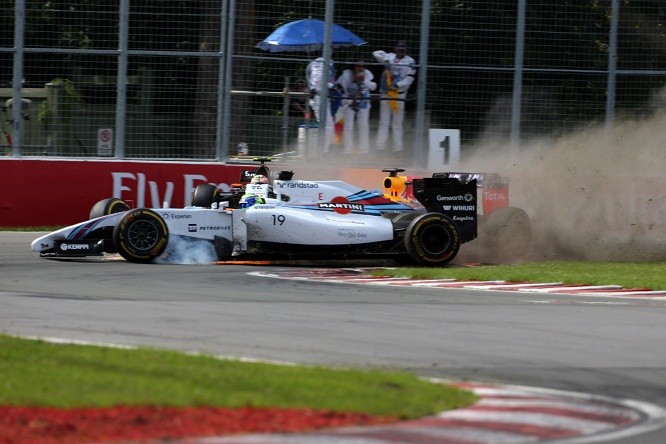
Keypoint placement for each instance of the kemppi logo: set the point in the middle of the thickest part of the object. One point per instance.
(65, 247)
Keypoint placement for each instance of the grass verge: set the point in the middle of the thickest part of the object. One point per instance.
(38, 373)
(626, 274)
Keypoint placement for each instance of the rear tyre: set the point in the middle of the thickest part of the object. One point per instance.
(141, 235)
(432, 239)
(508, 233)
(108, 206)
(204, 195)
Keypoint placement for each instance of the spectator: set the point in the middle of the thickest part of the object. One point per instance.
(356, 84)
(395, 82)
(318, 78)
(298, 106)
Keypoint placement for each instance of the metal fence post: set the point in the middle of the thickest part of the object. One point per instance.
(323, 110)
(121, 81)
(518, 75)
(612, 63)
(17, 82)
(220, 147)
(226, 116)
(420, 154)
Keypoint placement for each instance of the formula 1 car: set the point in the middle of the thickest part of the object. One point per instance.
(285, 219)
(504, 232)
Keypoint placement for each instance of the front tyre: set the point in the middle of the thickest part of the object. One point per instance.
(141, 235)
(432, 239)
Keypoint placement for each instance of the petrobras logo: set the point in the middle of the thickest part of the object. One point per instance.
(192, 228)
(214, 228)
(74, 247)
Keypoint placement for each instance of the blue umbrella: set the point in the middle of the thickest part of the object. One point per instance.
(307, 35)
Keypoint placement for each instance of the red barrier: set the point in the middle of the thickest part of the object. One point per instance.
(62, 192)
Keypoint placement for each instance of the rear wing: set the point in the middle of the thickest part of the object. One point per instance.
(494, 188)
(486, 180)
(453, 198)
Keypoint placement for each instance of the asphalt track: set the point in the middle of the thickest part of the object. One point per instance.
(608, 346)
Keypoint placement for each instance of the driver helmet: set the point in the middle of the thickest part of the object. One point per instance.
(250, 199)
(258, 179)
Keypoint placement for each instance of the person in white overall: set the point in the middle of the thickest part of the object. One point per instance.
(317, 78)
(356, 83)
(395, 82)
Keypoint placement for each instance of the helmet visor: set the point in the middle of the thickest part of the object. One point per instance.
(248, 202)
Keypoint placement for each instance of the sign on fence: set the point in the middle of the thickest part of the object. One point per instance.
(105, 142)
(444, 149)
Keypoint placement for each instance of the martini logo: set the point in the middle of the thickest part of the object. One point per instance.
(342, 206)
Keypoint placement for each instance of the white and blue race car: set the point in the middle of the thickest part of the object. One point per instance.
(285, 219)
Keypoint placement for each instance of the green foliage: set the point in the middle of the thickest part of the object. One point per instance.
(71, 99)
(47, 374)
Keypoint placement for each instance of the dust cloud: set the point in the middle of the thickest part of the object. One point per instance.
(597, 194)
(185, 251)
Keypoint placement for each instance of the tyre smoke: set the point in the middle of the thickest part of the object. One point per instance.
(186, 251)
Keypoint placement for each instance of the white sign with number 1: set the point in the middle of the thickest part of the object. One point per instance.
(444, 148)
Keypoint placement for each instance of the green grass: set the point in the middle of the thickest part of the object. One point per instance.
(38, 373)
(626, 274)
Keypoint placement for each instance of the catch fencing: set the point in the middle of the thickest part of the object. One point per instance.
(182, 80)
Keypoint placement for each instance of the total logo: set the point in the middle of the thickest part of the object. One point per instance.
(494, 196)
(342, 205)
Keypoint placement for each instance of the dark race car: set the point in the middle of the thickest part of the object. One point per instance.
(504, 232)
